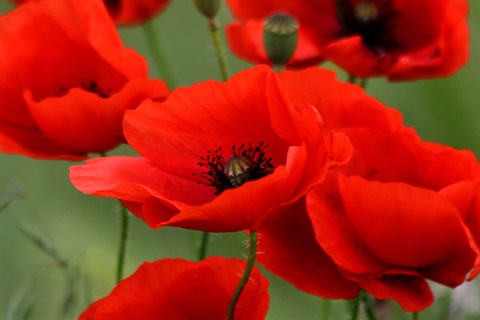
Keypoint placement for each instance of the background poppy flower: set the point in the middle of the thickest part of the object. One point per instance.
(401, 40)
(67, 80)
(180, 289)
(189, 141)
(128, 12)
(401, 211)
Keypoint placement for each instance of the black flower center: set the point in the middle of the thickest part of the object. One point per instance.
(246, 163)
(113, 6)
(90, 86)
(374, 20)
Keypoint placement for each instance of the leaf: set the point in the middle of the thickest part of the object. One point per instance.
(9, 192)
(23, 302)
(41, 242)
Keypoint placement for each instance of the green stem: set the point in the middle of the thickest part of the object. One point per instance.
(123, 242)
(160, 61)
(202, 252)
(414, 315)
(368, 305)
(246, 275)
(356, 308)
(352, 79)
(214, 27)
(325, 311)
(363, 83)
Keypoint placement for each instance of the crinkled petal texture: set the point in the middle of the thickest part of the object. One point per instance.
(399, 39)
(67, 80)
(178, 289)
(399, 212)
(402, 210)
(287, 247)
(168, 187)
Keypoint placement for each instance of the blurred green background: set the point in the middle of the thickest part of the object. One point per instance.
(84, 230)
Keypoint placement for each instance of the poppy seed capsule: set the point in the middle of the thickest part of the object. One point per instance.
(366, 11)
(237, 170)
(280, 37)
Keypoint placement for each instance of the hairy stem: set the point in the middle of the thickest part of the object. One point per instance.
(160, 61)
(214, 27)
(202, 252)
(252, 252)
(123, 242)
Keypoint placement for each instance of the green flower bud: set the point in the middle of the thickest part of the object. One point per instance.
(280, 37)
(209, 8)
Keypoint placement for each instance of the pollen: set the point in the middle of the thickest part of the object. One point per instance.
(245, 163)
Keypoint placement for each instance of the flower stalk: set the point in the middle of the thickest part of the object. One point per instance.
(252, 252)
(123, 242)
(160, 61)
(214, 27)
(202, 252)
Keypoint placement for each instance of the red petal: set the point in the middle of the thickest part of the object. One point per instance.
(410, 291)
(342, 105)
(84, 122)
(336, 235)
(288, 248)
(446, 55)
(352, 55)
(408, 226)
(33, 143)
(131, 12)
(175, 289)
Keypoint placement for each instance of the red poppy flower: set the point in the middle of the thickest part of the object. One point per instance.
(128, 12)
(401, 211)
(180, 289)
(67, 80)
(399, 39)
(218, 157)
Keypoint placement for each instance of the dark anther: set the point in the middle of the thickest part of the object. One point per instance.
(90, 86)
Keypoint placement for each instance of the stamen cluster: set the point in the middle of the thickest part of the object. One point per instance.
(250, 163)
(90, 86)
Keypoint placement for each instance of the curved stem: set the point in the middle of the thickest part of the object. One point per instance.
(160, 61)
(202, 252)
(214, 27)
(246, 275)
(123, 242)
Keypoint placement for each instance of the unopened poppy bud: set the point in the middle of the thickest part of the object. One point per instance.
(237, 170)
(209, 8)
(280, 37)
